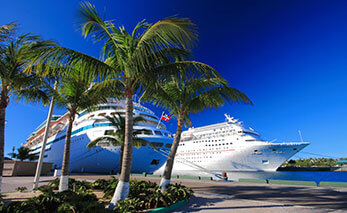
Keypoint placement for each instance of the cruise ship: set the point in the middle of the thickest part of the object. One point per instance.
(228, 147)
(91, 124)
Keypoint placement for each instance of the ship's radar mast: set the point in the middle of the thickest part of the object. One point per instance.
(230, 119)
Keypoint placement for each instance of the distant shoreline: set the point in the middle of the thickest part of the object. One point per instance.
(307, 168)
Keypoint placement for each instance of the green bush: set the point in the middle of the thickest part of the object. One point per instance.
(67, 201)
(147, 195)
(110, 188)
(101, 184)
(21, 189)
(74, 185)
(79, 198)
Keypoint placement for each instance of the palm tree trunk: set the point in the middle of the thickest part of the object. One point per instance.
(121, 159)
(64, 179)
(43, 146)
(122, 189)
(2, 141)
(3, 105)
(170, 160)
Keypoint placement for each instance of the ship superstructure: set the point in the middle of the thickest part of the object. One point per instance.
(227, 147)
(91, 124)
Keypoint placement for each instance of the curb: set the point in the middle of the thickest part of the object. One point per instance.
(169, 208)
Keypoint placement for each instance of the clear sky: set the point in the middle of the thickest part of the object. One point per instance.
(289, 57)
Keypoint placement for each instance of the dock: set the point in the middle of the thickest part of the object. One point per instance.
(219, 196)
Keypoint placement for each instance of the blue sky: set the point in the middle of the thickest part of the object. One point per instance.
(289, 57)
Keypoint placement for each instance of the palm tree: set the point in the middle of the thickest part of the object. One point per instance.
(15, 54)
(137, 59)
(183, 96)
(23, 154)
(78, 91)
(6, 31)
(117, 138)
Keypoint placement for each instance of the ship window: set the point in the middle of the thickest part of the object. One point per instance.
(168, 145)
(273, 149)
(265, 162)
(157, 132)
(155, 162)
(108, 132)
(147, 132)
(157, 144)
(102, 114)
(255, 150)
(295, 149)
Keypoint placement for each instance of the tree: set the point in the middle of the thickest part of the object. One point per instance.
(117, 138)
(23, 153)
(7, 31)
(15, 54)
(78, 91)
(183, 96)
(137, 58)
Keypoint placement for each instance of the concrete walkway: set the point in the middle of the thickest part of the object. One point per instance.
(203, 202)
(213, 196)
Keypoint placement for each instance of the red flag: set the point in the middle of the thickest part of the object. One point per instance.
(165, 117)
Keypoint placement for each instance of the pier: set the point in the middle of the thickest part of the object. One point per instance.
(219, 196)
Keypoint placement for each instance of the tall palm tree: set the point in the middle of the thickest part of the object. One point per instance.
(15, 54)
(6, 31)
(117, 138)
(183, 96)
(135, 57)
(78, 91)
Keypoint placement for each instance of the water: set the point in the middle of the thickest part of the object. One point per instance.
(316, 176)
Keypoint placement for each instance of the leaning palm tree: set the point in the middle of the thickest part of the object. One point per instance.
(78, 91)
(117, 138)
(183, 96)
(15, 54)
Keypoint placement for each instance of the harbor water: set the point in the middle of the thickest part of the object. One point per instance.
(316, 176)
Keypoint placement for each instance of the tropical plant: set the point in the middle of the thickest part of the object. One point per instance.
(138, 59)
(78, 91)
(21, 188)
(15, 54)
(7, 31)
(117, 138)
(49, 201)
(23, 153)
(183, 96)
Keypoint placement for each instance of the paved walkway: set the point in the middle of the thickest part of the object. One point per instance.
(217, 203)
(213, 196)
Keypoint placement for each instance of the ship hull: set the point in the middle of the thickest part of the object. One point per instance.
(268, 157)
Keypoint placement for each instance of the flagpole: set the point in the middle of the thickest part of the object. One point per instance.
(160, 119)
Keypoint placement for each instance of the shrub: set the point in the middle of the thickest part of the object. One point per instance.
(21, 189)
(101, 184)
(147, 195)
(110, 188)
(74, 185)
(67, 201)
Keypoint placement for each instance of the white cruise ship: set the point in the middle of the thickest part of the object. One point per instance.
(89, 125)
(228, 147)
